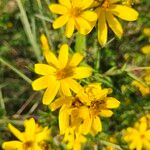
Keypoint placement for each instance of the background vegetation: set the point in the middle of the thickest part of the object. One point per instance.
(116, 66)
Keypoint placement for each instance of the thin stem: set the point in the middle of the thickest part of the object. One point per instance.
(137, 68)
(117, 147)
(2, 102)
(28, 30)
(44, 24)
(15, 70)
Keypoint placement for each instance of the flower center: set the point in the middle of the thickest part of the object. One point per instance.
(75, 12)
(27, 145)
(77, 102)
(64, 73)
(105, 4)
(44, 145)
(142, 136)
(96, 107)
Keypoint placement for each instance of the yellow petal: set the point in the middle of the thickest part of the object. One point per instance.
(143, 126)
(85, 127)
(82, 72)
(114, 1)
(44, 42)
(96, 125)
(83, 26)
(60, 21)
(65, 88)
(16, 132)
(58, 103)
(106, 113)
(102, 28)
(51, 92)
(124, 12)
(76, 59)
(65, 3)
(51, 59)
(44, 69)
(83, 112)
(30, 129)
(12, 145)
(82, 4)
(70, 27)
(63, 55)
(58, 9)
(146, 31)
(114, 24)
(89, 15)
(146, 49)
(112, 102)
(42, 83)
(74, 85)
(63, 120)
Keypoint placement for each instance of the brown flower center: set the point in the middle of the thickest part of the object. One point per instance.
(75, 12)
(142, 136)
(105, 4)
(27, 145)
(64, 73)
(96, 107)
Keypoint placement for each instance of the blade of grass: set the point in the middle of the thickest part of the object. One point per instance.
(28, 30)
(15, 70)
(2, 102)
(44, 24)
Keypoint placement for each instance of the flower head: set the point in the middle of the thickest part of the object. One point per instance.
(106, 12)
(75, 15)
(144, 88)
(34, 137)
(138, 136)
(98, 104)
(83, 111)
(60, 74)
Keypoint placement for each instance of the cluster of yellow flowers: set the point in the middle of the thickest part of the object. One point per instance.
(83, 15)
(80, 107)
(138, 136)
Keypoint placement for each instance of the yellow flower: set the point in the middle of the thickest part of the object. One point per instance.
(60, 74)
(34, 137)
(146, 31)
(142, 88)
(75, 15)
(83, 110)
(73, 139)
(106, 12)
(98, 104)
(146, 49)
(138, 137)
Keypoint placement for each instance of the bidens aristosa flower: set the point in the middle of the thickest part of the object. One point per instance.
(33, 138)
(60, 74)
(107, 12)
(75, 15)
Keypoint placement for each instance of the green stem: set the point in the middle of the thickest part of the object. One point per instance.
(28, 30)
(2, 102)
(44, 24)
(15, 70)
(117, 147)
